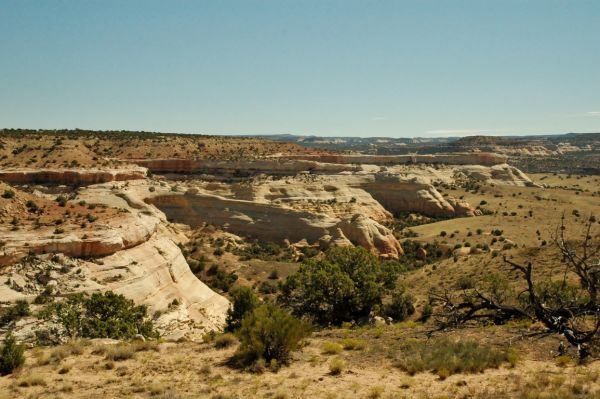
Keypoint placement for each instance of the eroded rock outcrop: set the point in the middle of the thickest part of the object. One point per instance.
(274, 166)
(360, 230)
(130, 250)
(467, 158)
(498, 174)
(269, 222)
(70, 177)
(401, 196)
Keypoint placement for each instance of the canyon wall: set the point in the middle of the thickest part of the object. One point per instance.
(269, 222)
(401, 196)
(470, 158)
(275, 166)
(70, 177)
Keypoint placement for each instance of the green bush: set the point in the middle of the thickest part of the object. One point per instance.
(265, 251)
(445, 357)
(465, 283)
(12, 355)
(243, 301)
(401, 305)
(267, 287)
(8, 194)
(426, 313)
(220, 279)
(269, 333)
(18, 310)
(344, 286)
(101, 315)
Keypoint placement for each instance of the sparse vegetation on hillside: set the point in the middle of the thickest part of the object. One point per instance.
(264, 251)
(568, 306)
(15, 312)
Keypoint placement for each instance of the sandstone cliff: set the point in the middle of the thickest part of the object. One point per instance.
(131, 251)
(268, 222)
(470, 158)
(71, 177)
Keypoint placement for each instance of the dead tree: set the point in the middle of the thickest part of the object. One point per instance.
(569, 307)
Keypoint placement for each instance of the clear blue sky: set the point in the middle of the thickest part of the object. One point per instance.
(356, 68)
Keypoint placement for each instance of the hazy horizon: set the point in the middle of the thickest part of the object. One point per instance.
(335, 68)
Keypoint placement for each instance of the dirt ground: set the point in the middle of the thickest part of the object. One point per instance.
(193, 370)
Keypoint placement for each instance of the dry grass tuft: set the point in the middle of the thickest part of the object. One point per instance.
(445, 357)
(225, 341)
(120, 352)
(336, 366)
(331, 348)
(31, 380)
(354, 344)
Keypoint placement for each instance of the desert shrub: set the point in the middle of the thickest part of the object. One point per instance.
(225, 341)
(31, 206)
(336, 366)
(12, 355)
(45, 296)
(120, 352)
(412, 257)
(331, 348)
(31, 380)
(465, 283)
(60, 353)
(15, 312)
(101, 315)
(267, 287)
(309, 252)
(61, 200)
(265, 251)
(220, 279)
(218, 252)
(243, 301)
(8, 194)
(344, 286)
(352, 344)
(269, 332)
(401, 305)
(196, 265)
(446, 357)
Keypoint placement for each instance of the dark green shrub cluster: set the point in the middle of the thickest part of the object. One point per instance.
(12, 355)
(15, 312)
(267, 287)
(434, 253)
(220, 279)
(8, 194)
(101, 315)
(269, 334)
(265, 251)
(243, 301)
(446, 357)
(343, 286)
(401, 305)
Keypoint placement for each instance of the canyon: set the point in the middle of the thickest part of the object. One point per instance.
(122, 219)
